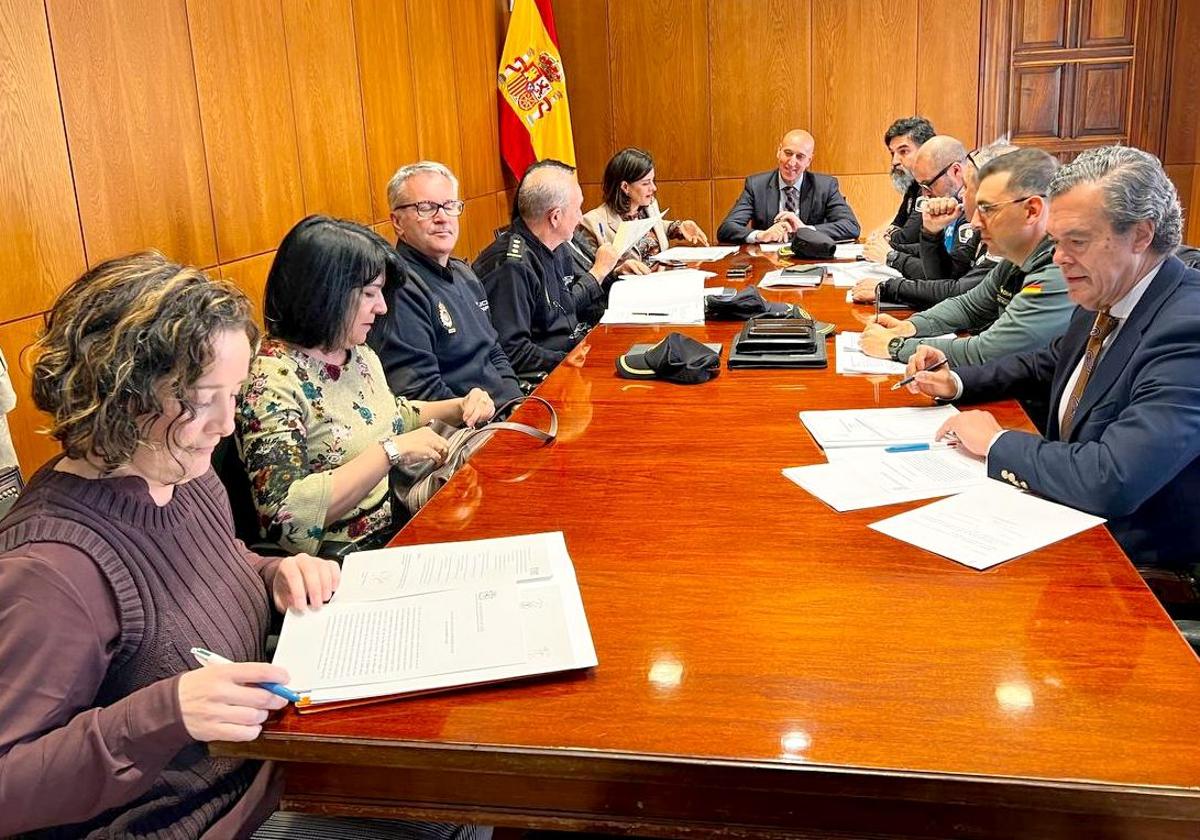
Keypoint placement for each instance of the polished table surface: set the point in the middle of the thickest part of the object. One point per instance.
(766, 664)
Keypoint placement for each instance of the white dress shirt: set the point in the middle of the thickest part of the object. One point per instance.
(753, 235)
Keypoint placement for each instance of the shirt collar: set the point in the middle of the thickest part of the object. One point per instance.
(1123, 307)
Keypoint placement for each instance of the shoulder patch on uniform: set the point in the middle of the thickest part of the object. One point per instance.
(516, 247)
(1034, 288)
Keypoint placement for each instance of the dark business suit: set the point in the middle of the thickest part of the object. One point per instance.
(1132, 452)
(822, 205)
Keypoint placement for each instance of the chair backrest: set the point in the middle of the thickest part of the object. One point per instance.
(232, 473)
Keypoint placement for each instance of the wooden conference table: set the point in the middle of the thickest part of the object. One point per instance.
(767, 665)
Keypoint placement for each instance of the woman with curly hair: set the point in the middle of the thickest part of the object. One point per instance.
(120, 556)
(318, 427)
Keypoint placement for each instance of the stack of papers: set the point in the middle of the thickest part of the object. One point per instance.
(862, 473)
(805, 277)
(847, 275)
(666, 297)
(987, 525)
(848, 251)
(851, 359)
(682, 253)
(875, 426)
(425, 618)
(772, 247)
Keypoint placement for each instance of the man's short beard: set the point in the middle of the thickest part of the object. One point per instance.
(902, 179)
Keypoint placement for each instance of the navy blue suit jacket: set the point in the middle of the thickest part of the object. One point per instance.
(1133, 452)
(822, 205)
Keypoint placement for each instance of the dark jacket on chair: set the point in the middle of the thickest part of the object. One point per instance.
(822, 205)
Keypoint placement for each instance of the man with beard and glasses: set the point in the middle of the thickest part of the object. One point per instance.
(902, 139)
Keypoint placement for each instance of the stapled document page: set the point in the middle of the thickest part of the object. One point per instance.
(512, 609)
(687, 253)
(848, 251)
(846, 275)
(666, 297)
(875, 426)
(801, 276)
(987, 525)
(866, 477)
(630, 232)
(851, 358)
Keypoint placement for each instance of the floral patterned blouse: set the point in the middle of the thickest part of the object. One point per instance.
(299, 418)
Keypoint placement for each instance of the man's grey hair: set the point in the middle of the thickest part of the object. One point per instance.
(986, 154)
(543, 188)
(396, 185)
(1029, 170)
(1135, 189)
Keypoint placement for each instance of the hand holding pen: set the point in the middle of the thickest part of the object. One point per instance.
(929, 373)
(225, 701)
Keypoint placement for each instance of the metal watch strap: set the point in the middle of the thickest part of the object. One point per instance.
(393, 452)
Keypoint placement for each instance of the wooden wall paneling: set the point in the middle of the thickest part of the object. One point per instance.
(389, 101)
(689, 200)
(133, 125)
(872, 197)
(435, 81)
(327, 99)
(504, 203)
(660, 83)
(1153, 56)
(1183, 176)
(385, 230)
(870, 80)
(995, 46)
(1039, 102)
(1040, 24)
(475, 227)
(725, 192)
(42, 250)
(249, 127)
(479, 27)
(250, 275)
(583, 27)
(948, 67)
(1106, 23)
(24, 421)
(593, 195)
(759, 68)
(1101, 100)
(1183, 122)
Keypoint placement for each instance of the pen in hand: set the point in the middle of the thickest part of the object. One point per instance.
(207, 657)
(912, 378)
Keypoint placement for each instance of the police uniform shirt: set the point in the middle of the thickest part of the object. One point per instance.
(436, 341)
(539, 304)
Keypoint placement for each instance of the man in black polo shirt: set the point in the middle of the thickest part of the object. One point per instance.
(437, 340)
(541, 303)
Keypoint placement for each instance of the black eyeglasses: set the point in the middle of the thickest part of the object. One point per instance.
(428, 209)
(927, 186)
(987, 210)
(971, 157)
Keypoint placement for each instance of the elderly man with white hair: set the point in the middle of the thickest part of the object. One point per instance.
(437, 342)
(1123, 382)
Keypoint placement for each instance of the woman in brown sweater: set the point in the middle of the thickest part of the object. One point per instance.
(120, 556)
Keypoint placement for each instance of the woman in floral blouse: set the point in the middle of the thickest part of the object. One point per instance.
(317, 427)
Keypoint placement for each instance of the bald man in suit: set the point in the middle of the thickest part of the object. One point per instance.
(776, 204)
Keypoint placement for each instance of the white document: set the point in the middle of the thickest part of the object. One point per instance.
(851, 359)
(412, 570)
(869, 476)
(847, 275)
(987, 525)
(667, 297)
(875, 426)
(630, 231)
(772, 247)
(805, 280)
(687, 253)
(848, 251)
(474, 633)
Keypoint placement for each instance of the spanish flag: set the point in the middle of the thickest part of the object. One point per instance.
(535, 122)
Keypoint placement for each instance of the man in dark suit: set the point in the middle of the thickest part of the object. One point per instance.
(776, 204)
(1123, 439)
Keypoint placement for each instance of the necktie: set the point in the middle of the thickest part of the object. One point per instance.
(791, 199)
(1101, 330)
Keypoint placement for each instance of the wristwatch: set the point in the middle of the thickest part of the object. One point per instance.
(393, 452)
(894, 348)
(891, 258)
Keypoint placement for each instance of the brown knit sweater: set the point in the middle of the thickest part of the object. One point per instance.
(102, 594)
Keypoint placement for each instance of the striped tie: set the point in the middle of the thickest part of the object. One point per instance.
(791, 199)
(1101, 330)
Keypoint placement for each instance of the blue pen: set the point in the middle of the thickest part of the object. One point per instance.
(916, 447)
(207, 657)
